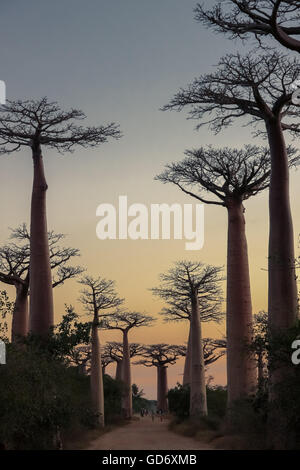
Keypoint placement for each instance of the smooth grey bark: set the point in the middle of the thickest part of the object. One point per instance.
(126, 377)
(282, 299)
(187, 363)
(162, 388)
(96, 377)
(41, 316)
(241, 367)
(119, 375)
(198, 402)
(283, 306)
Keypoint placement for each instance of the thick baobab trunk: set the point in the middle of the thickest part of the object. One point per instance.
(41, 297)
(126, 376)
(283, 307)
(198, 402)
(162, 388)
(119, 375)
(97, 393)
(241, 367)
(187, 363)
(19, 327)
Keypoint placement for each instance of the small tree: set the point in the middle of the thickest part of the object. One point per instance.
(159, 356)
(261, 18)
(14, 266)
(191, 283)
(36, 124)
(124, 322)
(98, 295)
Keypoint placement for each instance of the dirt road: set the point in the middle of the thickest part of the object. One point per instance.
(144, 434)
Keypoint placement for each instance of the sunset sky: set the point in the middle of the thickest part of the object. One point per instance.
(121, 61)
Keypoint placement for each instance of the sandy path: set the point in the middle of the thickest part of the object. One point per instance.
(144, 434)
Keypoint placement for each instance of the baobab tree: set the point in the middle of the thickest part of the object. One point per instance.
(227, 177)
(14, 270)
(98, 296)
(125, 321)
(38, 124)
(105, 361)
(159, 356)
(82, 358)
(114, 350)
(179, 310)
(261, 18)
(192, 283)
(260, 88)
(213, 349)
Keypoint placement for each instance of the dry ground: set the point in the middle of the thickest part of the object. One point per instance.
(143, 434)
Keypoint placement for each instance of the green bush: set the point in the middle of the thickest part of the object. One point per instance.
(112, 399)
(39, 397)
(179, 402)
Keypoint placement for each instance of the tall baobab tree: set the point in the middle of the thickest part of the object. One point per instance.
(227, 177)
(178, 310)
(38, 124)
(114, 350)
(260, 88)
(98, 296)
(192, 282)
(125, 321)
(159, 356)
(261, 18)
(14, 270)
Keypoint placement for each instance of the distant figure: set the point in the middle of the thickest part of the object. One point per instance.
(160, 412)
(152, 415)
